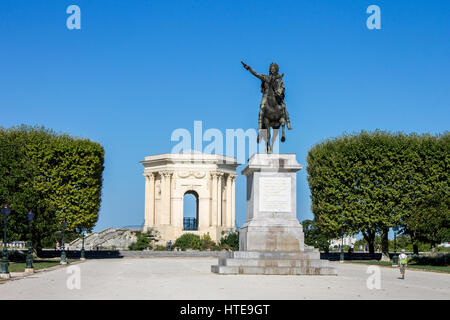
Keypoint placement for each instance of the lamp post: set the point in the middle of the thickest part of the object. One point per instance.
(29, 266)
(63, 252)
(4, 271)
(341, 256)
(82, 253)
(395, 257)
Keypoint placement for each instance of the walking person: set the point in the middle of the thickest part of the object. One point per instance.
(403, 260)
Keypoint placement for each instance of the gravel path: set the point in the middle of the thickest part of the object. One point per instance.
(191, 278)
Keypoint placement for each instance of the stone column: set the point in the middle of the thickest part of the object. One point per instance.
(151, 197)
(176, 199)
(233, 201)
(158, 208)
(219, 199)
(165, 198)
(147, 201)
(162, 202)
(228, 218)
(168, 195)
(213, 219)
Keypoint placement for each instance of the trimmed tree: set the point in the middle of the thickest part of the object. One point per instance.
(427, 218)
(369, 182)
(56, 176)
(313, 236)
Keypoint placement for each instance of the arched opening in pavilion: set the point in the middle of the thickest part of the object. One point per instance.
(190, 210)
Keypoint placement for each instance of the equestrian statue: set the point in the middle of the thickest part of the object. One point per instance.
(272, 112)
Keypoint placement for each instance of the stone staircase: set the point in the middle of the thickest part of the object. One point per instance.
(108, 239)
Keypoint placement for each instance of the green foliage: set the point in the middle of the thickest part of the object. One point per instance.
(442, 249)
(144, 240)
(208, 243)
(403, 241)
(56, 176)
(188, 241)
(427, 217)
(230, 241)
(314, 237)
(369, 182)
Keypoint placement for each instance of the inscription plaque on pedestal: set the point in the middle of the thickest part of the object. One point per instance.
(275, 194)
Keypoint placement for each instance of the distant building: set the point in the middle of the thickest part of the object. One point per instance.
(348, 241)
(169, 178)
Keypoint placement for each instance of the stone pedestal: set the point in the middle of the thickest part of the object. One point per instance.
(271, 241)
(271, 223)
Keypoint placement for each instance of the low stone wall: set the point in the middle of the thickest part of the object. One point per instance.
(149, 253)
(111, 254)
(75, 254)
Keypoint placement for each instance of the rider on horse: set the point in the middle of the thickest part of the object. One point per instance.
(275, 81)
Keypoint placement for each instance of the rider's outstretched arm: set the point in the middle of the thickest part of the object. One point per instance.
(253, 72)
(256, 74)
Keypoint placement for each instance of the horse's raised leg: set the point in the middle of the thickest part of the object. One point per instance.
(282, 122)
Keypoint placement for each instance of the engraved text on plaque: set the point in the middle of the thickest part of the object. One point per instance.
(275, 194)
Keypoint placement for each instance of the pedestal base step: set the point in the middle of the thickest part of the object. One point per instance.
(282, 263)
(277, 255)
(274, 270)
(275, 263)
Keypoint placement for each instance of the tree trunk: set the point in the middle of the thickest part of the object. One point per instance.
(415, 248)
(370, 238)
(372, 248)
(385, 245)
(415, 243)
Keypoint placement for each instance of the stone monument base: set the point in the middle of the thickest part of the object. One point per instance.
(271, 241)
(305, 262)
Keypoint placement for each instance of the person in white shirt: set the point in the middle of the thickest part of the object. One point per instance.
(403, 262)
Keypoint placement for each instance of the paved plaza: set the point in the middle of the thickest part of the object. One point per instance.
(191, 278)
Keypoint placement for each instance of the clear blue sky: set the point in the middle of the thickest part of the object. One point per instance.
(137, 70)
